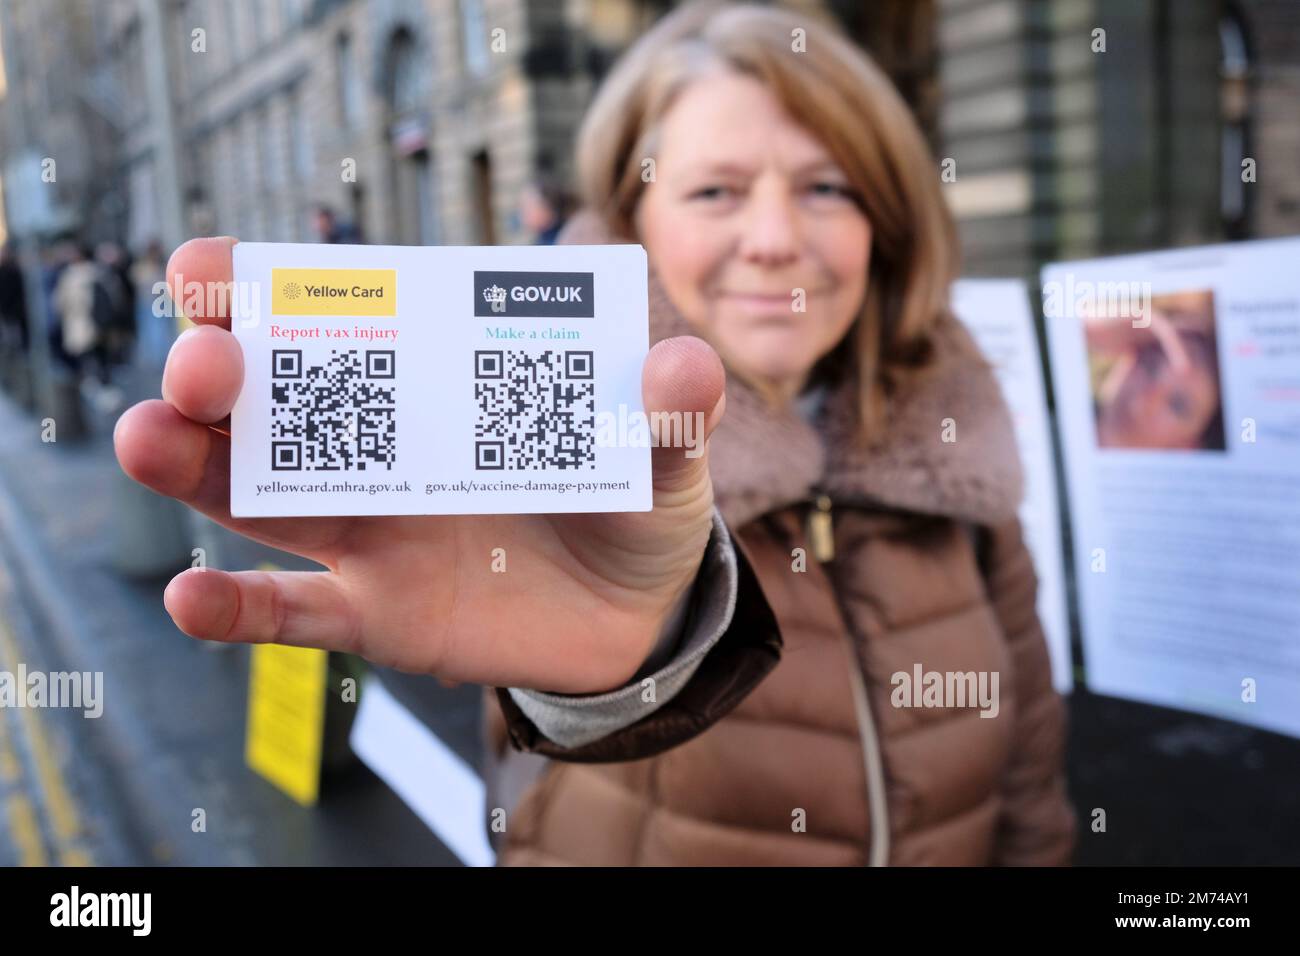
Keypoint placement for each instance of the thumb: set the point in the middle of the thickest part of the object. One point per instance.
(296, 608)
(682, 385)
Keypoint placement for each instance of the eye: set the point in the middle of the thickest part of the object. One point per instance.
(713, 193)
(832, 190)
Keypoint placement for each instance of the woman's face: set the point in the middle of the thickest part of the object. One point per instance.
(746, 214)
(1160, 406)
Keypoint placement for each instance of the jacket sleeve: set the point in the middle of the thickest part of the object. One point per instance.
(728, 644)
(1037, 823)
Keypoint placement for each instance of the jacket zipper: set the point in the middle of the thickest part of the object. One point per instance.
(821, 532)
(821, 538)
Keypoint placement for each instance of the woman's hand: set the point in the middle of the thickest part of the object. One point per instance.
(578, 609)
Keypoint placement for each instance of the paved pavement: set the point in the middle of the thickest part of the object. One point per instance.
(121, 788)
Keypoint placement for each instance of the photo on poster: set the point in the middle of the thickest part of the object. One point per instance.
(1155, 384)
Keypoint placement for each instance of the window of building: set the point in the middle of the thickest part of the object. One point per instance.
(1234, 117)
(404, 74)
(412, 195)
(474, 38)
(348, 81)
(300, 145)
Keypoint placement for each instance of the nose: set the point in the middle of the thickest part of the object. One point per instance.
(770, 227)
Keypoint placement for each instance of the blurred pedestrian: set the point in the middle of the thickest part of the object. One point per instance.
(55, 259)
(154, 321)
(88, 302)
(83, 309)
(13, 302)
(329, 228)
(14, 339)
(118, 339)
(543, 209)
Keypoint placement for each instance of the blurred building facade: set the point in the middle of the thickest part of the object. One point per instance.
(422, 121)
(1087, 127)
(49, 120)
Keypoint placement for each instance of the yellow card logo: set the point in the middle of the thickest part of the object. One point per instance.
(334, 292)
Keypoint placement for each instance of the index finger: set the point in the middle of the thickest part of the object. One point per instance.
(200, 277)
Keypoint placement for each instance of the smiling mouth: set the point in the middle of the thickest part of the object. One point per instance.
(756, 295)
(764, 299)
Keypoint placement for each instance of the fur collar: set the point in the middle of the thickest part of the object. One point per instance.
(762, 460)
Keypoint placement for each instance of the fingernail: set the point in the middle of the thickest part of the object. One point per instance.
(188, 333)
(719, 406)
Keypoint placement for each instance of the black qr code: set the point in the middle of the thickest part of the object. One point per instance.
(535, 410)
(333, 411)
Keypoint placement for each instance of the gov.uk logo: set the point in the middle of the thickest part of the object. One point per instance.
(548, 295)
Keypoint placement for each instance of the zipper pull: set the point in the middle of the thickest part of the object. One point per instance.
(821, 535)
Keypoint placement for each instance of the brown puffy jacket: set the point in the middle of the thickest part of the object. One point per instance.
(787, 748)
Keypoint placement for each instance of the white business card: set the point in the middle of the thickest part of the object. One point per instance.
(400, 380)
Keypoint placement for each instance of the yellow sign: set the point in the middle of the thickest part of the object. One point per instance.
(286, 717)
(334, 292)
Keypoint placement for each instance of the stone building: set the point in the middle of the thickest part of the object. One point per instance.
(1070, 127)
(1087, 127)
(50, 120)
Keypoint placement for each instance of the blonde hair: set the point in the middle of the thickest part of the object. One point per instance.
(847, 102)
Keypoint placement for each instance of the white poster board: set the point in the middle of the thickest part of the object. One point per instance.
(439, 787)
(997, 313)
(1177, 378)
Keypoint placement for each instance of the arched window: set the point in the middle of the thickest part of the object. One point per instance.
(412, 192)
(348, 81)
(403, 74)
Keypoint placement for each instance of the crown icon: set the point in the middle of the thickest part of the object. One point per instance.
(494, 295)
